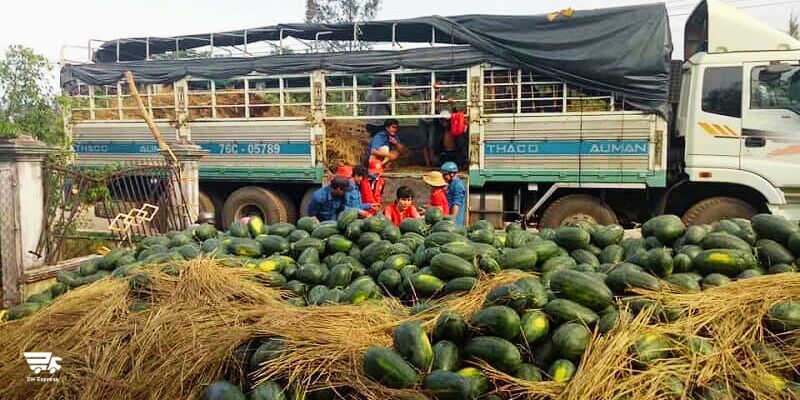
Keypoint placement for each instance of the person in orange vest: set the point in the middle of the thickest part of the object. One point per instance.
(403, 206)
(362, 181)
(438, 185)
(377, 183)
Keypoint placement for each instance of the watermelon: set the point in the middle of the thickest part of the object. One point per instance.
(267, 390)
(562, 310)
(478, 382)
(433, 215)
(570, 340)
(771, 253)
(324, 231)
(722, 240)
(345, 218)
(307, 224)
(222, 390)
(450, 326)
(728, 262)
(775, 227)
(238, 229)
(447, 385)
(449, 266)
(497, 352)
(463, 284)
(648, 348)
(605, 236)
(416, 225)
(572, 238)
(338, 244)
(271, 244)
(499, 321)
(360, 290)
(388, 368)
(446, 356)
(784, 316)
(390, 279)
(412, 344)
(523, 259)
(666, 228)
(582, 289)
(561, 371)
(255, 225)
(424, 285)
(534, 326)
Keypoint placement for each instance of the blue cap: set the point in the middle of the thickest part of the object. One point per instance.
(449, 167)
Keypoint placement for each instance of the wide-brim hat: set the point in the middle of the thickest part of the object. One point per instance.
(434, 178)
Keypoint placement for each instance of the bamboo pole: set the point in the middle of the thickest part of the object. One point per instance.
(162, 144)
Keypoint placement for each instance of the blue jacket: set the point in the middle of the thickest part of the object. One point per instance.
(379, 140)
(327, 208)
(457, 196)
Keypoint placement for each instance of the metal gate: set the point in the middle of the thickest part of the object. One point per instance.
(137, 200)
(8, 221)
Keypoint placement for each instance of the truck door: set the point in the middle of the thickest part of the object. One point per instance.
(712, 136)
(771, 122)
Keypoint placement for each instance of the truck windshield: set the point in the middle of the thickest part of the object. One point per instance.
(773, 88)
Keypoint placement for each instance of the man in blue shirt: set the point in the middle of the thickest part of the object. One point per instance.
(384, 145)
(456, 192)
(329, 201)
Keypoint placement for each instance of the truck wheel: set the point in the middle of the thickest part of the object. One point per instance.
(717, 208)
(306, 200)
(288, 204)
(252, 200)
(572, 208)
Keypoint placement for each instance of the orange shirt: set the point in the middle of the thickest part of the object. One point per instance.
(439, 199)
(392, 212)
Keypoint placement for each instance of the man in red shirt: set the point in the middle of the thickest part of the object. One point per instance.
(403, 206)
(438, 198)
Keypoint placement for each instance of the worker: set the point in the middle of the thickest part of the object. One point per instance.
(361, 179)
(402, 207)
(329, 201)
(438, 185)
(377, 105)
(353, 194)
(384, 145)
(456, 192)
(376, 181)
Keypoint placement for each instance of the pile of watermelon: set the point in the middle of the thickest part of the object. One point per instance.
(579, 277)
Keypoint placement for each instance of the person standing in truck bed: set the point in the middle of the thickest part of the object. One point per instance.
(456, 192)
(377, 104)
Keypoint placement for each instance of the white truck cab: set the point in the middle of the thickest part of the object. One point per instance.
(739, 109)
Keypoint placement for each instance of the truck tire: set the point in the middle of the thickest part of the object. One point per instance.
(572, 208)
(714, 209)
(289, 205)
(306, 200)
(253, 199)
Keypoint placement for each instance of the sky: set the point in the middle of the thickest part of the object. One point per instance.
(48, 25)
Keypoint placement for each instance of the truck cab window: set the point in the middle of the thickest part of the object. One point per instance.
(722, 91)
(775, 87)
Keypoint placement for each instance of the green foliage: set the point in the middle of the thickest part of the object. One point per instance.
(28, 103)
(341, 12)
(794, 26)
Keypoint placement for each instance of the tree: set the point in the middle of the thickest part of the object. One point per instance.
(794, 26)
(28, 103)
(341, 12)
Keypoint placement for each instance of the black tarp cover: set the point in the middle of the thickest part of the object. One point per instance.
(626, 50)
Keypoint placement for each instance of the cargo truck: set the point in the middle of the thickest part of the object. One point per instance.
(604, 127)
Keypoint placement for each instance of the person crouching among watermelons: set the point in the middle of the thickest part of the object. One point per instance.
(438, 185)
(353, 194)
(329, 201)
(403, 206)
